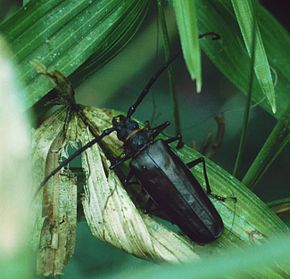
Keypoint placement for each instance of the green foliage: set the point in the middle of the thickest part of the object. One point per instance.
(79, 37)
(64, 34)
(231, 56)
(246, 16)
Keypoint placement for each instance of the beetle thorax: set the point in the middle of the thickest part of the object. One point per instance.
(129, 132)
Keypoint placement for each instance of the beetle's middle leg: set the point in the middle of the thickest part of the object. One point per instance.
(208, 188)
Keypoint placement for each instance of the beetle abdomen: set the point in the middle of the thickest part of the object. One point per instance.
(176, 191)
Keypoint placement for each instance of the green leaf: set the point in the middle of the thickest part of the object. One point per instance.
(65, 34)
(274, 145)
(246, 19)
(185, 12)
(230, 55)
(168, 54)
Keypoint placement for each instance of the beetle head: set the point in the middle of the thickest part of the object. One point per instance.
(118, 121)
(124, 126)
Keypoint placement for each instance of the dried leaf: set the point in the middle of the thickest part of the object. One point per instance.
(55, 230)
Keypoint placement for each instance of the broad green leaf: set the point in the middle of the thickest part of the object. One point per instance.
(185, 12)
(245, 16)
(65, 34)
(230, 55)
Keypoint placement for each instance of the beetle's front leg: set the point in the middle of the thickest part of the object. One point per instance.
(121, 160)
(208, 188)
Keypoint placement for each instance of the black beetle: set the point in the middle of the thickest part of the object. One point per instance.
(168, 181)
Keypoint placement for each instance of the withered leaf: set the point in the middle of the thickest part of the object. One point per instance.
(55, 227)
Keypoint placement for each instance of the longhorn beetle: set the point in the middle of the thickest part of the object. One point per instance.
(167, 179)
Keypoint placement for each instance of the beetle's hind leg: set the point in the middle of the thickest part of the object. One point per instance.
(208, 188)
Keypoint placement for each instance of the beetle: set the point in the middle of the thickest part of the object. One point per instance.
(164, 176)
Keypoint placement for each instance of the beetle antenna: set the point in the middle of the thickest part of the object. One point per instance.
(150, 83)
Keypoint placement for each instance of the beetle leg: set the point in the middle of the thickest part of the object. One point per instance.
(120, 161)
(154, 132)
(208, 189)
(173, 139)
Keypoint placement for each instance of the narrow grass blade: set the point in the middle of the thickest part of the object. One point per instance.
(249, 99)
(246, 16)
(281, 206)
(168, 54)
(276, 142)
(230, 54)
(185, 12)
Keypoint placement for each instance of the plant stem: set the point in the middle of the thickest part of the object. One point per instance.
(168, 55)
(249, 98)
(274, 145)
(281, 206)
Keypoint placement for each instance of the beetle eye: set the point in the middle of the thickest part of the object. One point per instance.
(117, 120)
